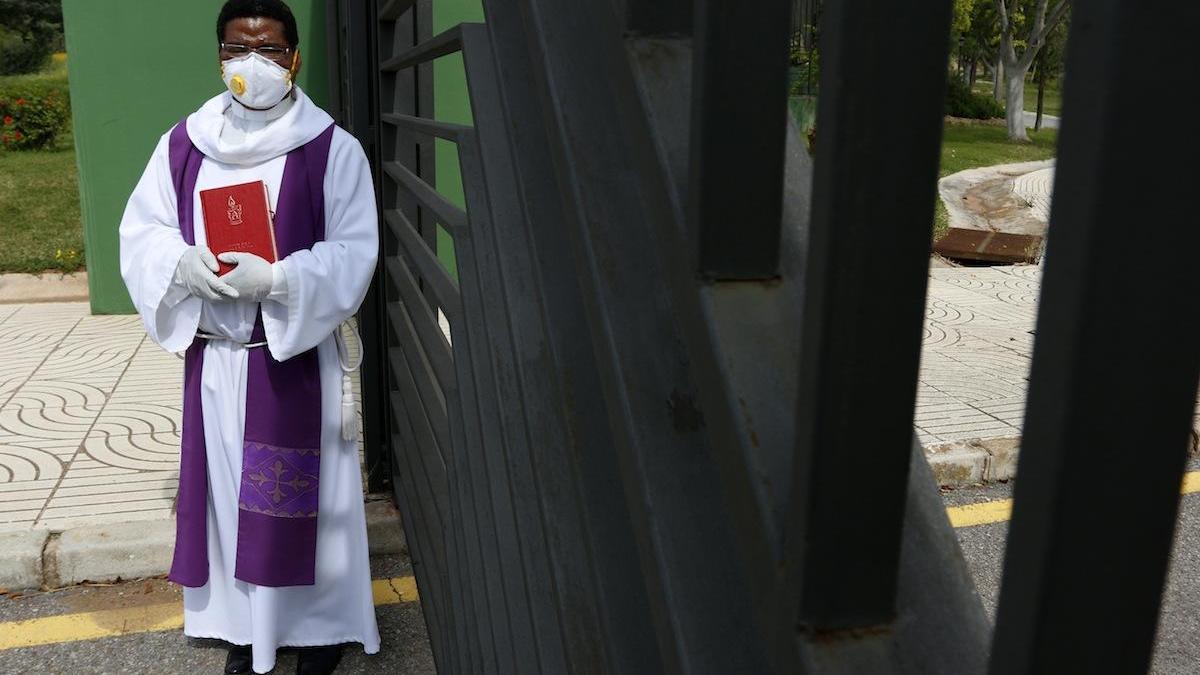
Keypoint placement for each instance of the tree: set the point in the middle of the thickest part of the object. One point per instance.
(1049, 64)
(1038, 25)
(978, 42)
(27, 30)
(30, 16)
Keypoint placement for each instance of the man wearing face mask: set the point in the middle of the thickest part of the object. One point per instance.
(271, 543)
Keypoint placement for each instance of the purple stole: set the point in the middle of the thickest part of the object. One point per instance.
(281, 461)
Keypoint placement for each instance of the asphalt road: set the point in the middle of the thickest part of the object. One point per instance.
(406, 648)
(1178, 648)
(405, 644)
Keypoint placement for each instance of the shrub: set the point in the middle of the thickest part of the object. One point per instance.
(32, 115)
(22, 54)
(962, 102)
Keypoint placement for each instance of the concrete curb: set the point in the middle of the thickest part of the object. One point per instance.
(21, 559)
(989, 460)
(134, 550)
(972, 462)
(16, 287)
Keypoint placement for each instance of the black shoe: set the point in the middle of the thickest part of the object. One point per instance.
(239, 660)
(318, 660)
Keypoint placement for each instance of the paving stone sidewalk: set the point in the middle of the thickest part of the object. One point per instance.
(90, 414)
(90, 408)
(978, 340)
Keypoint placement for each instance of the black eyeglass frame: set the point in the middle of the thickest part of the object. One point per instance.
(272, 52)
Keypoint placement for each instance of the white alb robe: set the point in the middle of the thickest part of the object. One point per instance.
(315, 291)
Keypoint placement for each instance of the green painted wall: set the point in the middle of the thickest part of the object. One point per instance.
(450, 104)
(136, 67)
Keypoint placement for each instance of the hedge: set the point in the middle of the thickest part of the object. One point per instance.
(33, 111)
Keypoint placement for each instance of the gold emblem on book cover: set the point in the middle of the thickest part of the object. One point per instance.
(235, 212)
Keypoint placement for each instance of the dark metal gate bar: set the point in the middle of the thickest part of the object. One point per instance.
(1113, 383)
(872, 209)
(354, 104)
(629, 456)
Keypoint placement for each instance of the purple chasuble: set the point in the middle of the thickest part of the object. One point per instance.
(277, 501)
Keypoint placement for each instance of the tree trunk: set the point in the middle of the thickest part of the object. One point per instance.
(1037, 123)
(998, 78)
(1014, 111)
(971, 74)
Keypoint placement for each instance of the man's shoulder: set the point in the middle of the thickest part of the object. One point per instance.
(340, 135)
(346, 145)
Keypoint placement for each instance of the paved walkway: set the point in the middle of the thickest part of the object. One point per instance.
(1036, 189)
(90, 414)
(1048, 121)
(90, 409)
(1012, 198)
(977, 347)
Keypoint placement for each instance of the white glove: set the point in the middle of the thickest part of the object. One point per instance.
(251, 277)
(195, 272)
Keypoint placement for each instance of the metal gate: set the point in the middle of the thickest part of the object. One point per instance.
(630, 454)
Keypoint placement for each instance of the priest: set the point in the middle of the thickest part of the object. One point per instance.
(271, 544)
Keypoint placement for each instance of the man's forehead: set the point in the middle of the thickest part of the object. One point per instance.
(254, 29)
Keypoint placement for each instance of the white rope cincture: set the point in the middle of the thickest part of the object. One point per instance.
(349, 407)
(248, 345)
(209, 336)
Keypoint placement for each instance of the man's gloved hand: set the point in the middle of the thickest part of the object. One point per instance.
(196, 272)
(251, 277)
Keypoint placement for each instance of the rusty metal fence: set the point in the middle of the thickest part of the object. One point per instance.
(631, 453)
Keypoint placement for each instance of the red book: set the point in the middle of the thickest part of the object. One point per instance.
(238, 218)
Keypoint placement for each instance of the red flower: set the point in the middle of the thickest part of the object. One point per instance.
(19, 101)
(8, 119)
(17, 135)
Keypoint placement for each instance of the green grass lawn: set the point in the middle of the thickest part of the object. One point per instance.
(972, 146)
(55, 71)
(40, 225)
(1051, 104)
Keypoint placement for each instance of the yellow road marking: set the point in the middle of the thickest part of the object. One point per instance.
(395, 590)
(1000, 510)
(983, 513)
(147, 619)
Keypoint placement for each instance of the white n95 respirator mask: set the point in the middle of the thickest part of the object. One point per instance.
(256, 81)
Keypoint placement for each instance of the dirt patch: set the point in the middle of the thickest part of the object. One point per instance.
(142, 593)
(1001, 209)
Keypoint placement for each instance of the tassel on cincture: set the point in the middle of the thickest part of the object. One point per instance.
(349, 410)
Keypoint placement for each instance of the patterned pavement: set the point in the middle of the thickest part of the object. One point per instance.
(977, 346)
(90, 414)
(1036, 188)
(89, 419)
(90, 408)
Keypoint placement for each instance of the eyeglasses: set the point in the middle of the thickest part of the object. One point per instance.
(233, 50)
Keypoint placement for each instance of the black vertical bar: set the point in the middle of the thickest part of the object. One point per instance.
(615, 202)
(627, 637)
(657, 17)
(358, 111)
(424, 147)
(334, 55)
(738, 124)
(873, 195)
(1115, 365)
